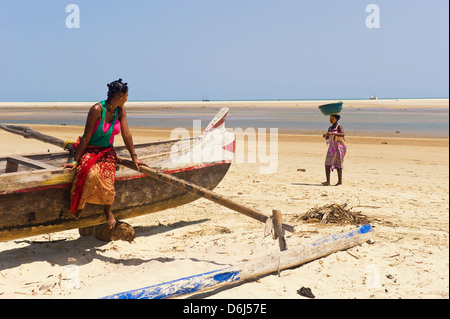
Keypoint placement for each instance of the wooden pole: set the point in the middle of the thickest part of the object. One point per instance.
(28, 132)
(247, 270)
(279, 231)
(201, 191)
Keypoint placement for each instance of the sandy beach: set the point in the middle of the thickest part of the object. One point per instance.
(400, 184)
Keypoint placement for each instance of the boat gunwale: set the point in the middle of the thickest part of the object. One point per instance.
(64, 154)
(118, 179)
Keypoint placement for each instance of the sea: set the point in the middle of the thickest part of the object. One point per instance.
(424, 122)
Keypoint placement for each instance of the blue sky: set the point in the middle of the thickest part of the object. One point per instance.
(223, 49)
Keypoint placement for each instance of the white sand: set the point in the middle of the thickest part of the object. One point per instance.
(402, 186)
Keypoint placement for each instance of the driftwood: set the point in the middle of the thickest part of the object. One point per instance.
(252, 269)
(334, 213)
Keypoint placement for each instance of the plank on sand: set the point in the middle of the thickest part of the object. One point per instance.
(252, 269)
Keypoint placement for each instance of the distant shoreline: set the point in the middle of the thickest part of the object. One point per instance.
(163, 133)
(395, 118)
(432, 103)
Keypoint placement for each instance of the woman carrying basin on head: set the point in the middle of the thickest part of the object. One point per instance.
(337, 149)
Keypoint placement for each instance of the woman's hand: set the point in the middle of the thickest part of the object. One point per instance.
(138, 162)
(70, 166)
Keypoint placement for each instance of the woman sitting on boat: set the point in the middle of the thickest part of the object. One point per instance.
(336, 149)
(95, 157)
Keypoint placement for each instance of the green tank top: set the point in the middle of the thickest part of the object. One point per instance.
(99, 138)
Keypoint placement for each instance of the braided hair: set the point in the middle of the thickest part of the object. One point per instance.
(114, 88)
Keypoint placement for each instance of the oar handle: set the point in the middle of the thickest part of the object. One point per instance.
(28, 132)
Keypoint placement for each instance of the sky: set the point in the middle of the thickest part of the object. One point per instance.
(224, 49)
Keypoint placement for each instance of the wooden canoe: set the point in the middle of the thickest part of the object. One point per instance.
(35, 190)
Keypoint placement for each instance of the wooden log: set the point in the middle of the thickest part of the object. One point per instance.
(278, 229)
(203, 192)
(247, 270)
(122, 231)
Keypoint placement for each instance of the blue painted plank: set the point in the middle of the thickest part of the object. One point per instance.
(197, 283)
(181, 286)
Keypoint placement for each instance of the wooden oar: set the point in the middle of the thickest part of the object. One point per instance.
(201, 191)
(28, 132)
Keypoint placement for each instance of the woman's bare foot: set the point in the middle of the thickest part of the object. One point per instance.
(78, 214)
(110, 220)
(326, 183)
(338, 183)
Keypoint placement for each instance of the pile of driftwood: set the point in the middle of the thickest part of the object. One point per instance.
(334, 213)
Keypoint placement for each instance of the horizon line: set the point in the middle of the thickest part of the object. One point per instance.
(242, 100)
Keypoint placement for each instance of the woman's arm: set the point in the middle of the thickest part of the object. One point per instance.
(94, 115)
(327, 134)
(126, 134)
(128, 139)
(340, 130)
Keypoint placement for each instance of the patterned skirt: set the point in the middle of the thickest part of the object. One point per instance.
(336, 153)
(94, 182)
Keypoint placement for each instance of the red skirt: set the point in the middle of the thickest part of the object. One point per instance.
(94, 182)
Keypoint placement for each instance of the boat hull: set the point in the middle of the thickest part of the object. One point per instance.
(46, 210)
